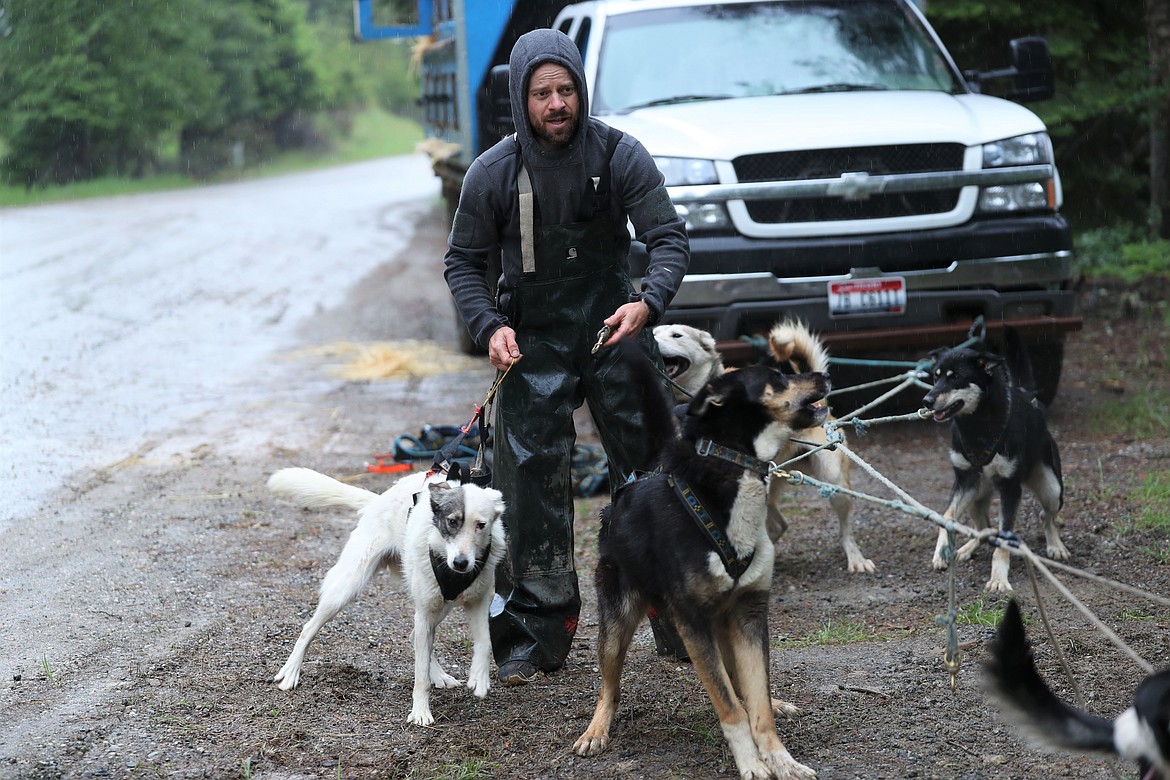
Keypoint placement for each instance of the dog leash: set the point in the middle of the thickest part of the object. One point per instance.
(445, 462)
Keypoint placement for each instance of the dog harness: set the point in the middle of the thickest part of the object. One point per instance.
(708, 448)
(733, 562)
(451, 582)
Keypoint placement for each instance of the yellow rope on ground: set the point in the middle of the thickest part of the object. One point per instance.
(377, 360)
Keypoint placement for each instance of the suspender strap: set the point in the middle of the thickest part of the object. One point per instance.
(611, 144)
(527, 221)
(600, 200)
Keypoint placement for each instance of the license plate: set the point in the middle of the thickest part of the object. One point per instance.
(858, 297)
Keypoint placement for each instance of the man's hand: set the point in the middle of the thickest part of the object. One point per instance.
(503, 350)
(627, 322)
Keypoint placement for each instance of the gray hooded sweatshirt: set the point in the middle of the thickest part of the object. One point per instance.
(488, 215)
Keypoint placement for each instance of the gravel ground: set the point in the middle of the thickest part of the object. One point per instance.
(147, 605)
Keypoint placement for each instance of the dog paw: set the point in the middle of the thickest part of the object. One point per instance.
(861, 566)
(1058, 552)
(421, 716)
(784, 767)
(479, 685)
(421, 719)
(287, 679)
(590, 744)
(939, 563)
(782, 709)
(998, 585)
(444, 680)
(968, 549)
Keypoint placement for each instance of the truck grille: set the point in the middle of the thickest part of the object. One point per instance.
(831, 163)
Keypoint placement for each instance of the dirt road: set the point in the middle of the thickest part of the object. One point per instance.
(150, 588)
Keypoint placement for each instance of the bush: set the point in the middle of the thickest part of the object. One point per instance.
(1124, 252)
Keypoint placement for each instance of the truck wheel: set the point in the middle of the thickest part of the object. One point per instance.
(1047, 358)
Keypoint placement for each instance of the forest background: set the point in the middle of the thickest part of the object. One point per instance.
(177, 92)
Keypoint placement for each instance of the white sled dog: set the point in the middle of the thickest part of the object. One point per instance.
(440, 540)
(692, 361)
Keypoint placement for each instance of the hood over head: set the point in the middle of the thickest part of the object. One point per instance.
(536, 48)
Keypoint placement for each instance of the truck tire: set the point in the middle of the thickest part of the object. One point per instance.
(1047, 358)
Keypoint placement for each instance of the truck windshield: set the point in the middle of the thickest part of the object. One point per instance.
(733, 50)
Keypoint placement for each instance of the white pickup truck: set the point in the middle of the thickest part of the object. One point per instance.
(832, 161)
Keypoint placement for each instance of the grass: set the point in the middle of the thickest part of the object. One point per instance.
(1154, 496)
(979, 613)
(702, 723)
(832, 633)
(1124, 252)
(48, 669)
(1151, 497)
(1137, 616)
(1143, 413)
(374, 134)
(470, 768)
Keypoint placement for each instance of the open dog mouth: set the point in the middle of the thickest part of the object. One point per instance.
(676, 365)
(818, 409)
(947, 412)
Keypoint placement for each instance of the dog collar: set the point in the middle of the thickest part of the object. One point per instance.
(452, 583)
(708, 448)
(732, 561)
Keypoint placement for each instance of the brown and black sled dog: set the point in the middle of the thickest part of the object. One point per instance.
(690, 540)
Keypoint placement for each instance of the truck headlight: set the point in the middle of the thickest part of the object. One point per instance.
(684, 171)
(1029, 149)
(703, 216)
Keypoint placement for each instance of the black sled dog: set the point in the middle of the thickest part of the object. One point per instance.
(690, 540)
(1141, 733)
(999, 443)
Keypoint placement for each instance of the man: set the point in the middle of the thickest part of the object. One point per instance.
(554, 200)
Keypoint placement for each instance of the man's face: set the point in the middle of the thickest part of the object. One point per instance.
(553, 106)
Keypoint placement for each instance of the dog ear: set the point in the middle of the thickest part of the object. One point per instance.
(445, 498)
(989, 361)
(704, 400)
(497, 499)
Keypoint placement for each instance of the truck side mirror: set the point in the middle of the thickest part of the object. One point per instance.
(1034, 78)
(1031, 71)
(499, 100)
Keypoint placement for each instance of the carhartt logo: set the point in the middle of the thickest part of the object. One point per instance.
(572, 253)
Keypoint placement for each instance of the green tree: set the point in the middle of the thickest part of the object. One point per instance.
(1099, 118)
(88, 88)
(267, 60)
(1158, 28)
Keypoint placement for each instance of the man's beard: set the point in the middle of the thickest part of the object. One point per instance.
(561, 136)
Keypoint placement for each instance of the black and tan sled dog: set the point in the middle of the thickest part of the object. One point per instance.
(999, 444)
(1141, 733)
(690, 540)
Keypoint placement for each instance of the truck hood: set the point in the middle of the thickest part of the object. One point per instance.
(726, 129)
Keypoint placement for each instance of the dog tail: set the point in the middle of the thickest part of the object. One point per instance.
(793, 346)
(312, 490)
(1030, 704)
(1016, 355)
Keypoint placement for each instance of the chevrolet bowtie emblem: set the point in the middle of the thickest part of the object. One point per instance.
(855, 186)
